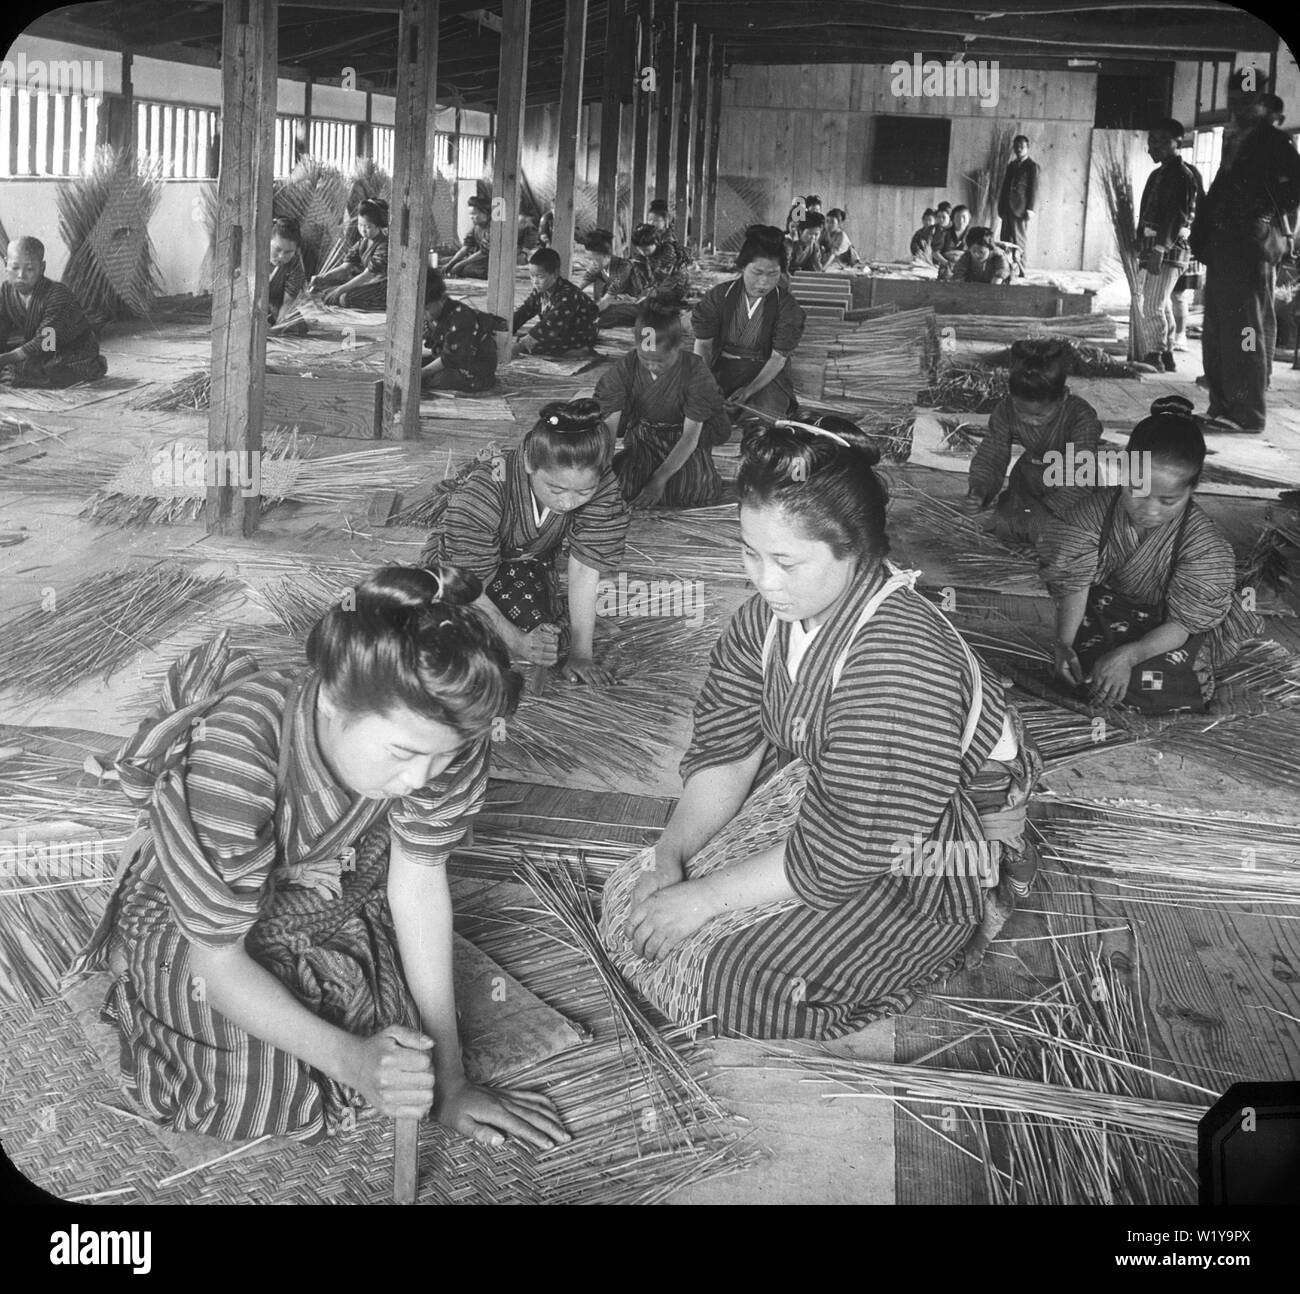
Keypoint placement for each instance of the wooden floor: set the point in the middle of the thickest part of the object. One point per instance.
(1219, 986)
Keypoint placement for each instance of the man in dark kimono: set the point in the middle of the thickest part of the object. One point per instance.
(47, 339)
(1018, 197)
(1240, 234)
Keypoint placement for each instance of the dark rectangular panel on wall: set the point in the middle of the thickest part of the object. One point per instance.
(911, 151)
(1126, 102)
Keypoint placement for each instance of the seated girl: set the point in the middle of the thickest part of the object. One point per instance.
(361, 282)
(920, 248)
(282, 934)
(950, 245)
(509, 519)
(844, 701)
(1145, 582)
(288, 278)
(668, 408)
(615, 282)
(838, 250)
(672, 253)
(657, 268)
(981, 262)
(566, 323)
(806, 254)
(470, 260)
(746, 329)
(461, 339)
(1040, 414)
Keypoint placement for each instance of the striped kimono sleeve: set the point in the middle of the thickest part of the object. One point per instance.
(614, 389)
(471, 526)
(889, 767)
(1200, 595)
(1081, 428)
(988, 466)
(1068, 547)
(728, 714)
(432, 821)
(599, 530)
(702, 395)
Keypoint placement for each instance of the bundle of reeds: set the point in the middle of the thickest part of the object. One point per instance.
(1008, 328)
(966, 388)
(193, 392)
(1113, 166)
(428, 508)
(984, 184)
(1269, 562)
(104, 216)
(1257, 750)
(96, 625)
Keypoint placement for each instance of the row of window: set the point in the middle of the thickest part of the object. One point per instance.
(55, 135)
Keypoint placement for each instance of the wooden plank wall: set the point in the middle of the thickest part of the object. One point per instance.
(810, 130)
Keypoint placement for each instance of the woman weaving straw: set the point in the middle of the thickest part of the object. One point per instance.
(282, 935)
(844, 725)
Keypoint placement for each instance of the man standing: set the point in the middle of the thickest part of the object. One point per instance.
(1241, 233)
(1018, 198)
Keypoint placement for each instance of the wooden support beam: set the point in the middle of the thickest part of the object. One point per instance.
(700, 144)
(408, 243)
(709, 223)
(241, 275)
(366, 130)
(302, 136)
(642, 100)
(685, 124)
(512, 83)
(610, 107)
(117, 121)
(665, 74)
(566, 166)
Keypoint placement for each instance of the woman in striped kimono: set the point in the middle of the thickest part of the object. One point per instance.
(665, 403)
(361, 282)
(1144, 582)
(512, 516)
(282, 935)
(907, 741)
(747, 329)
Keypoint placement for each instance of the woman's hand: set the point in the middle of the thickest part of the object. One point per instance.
(659, 923)
(650, 495)
(393, 1070)
(1111, 674)
(333, 296)
(582, 669)
(539, 647)
(490, 1117)
(1066, 663)
(664, 871)
(741, 396)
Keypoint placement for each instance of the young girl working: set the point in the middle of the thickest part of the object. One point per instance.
(837, 664)
(461, 342)
(509, 519)
(282, 935)
(665, 403)
(361, 282)
(288, 278)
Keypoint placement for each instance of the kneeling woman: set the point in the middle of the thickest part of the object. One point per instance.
(669, 409)
(747, 329)
(283, 935)
(840, 672)
(511, 516)
(1145, 583)
(361, 282)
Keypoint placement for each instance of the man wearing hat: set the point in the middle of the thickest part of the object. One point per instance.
(1241, 233)
(471, 258)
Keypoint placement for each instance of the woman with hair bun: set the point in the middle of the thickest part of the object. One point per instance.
(511, 516)
(282, 935)
(1144, 582)
(747, 329)
(839, 677)
(361, 282)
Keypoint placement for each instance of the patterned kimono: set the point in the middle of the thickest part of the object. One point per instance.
(1027, 505)
(492, 527)
(1138, 568)
(664, 273)
(885, 774)
(567, 319)
(58, 345)
(370, 254)
(654, 411)
(478, 242)
(464, 339)
(250, 838)
(621, 277)
(742, 343)
(995, 269)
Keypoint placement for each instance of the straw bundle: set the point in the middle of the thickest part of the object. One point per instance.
(193, 392)
(96, 625)
(1261, 750)
(1269, 563)
(977, 550)
(104, 216)
(1113, 165)
(966, 388)
(1010, 328)
(673, 984)
(428, 509)
(984, 184)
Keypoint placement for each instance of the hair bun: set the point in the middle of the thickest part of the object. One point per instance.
(571, 415)
(1175, 404)
(398, 592)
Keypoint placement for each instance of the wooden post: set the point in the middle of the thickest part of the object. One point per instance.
(665, 74)
(302, 136)
(117, 121)
(408, 258)
(642, 99)
(611, 102)
(686, 59)
(708, 229)
(566, 166)
(241, 274)
(700, 146)
(512, 88)
(366, 131)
